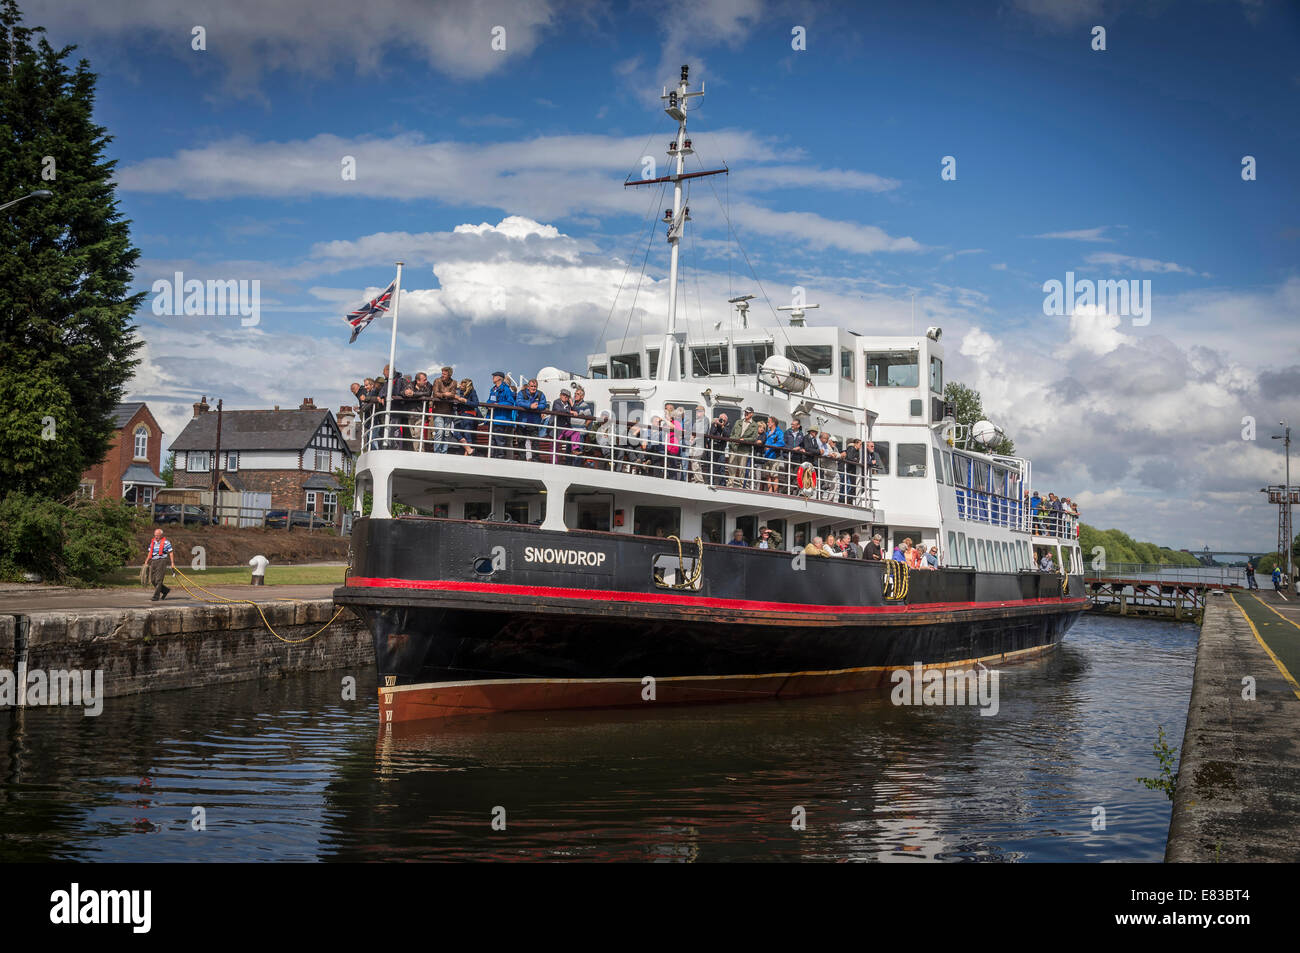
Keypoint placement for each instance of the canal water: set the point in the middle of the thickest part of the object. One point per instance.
(289, 770)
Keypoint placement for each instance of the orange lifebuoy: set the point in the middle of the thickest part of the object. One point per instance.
(807, 478)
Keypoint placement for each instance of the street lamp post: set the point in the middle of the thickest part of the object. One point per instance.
(39, 194)
(1285, 437)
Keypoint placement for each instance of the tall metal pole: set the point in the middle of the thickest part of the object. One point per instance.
(1286, 443)
(216, 473)
(392, 348)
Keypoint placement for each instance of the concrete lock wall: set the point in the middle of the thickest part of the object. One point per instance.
(158, 649)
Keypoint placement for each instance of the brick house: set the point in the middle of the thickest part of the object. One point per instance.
(290, 454)
(130, 468)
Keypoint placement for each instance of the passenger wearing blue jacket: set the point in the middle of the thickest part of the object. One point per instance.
(532, 405)
(502, 416)
(773, 454)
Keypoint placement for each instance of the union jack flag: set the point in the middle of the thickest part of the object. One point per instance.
(360, 319)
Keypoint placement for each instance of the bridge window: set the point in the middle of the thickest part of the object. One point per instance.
(882, 451)
(625, 366)
(936, 375)
(652, 361)
(750, 357)
(599, 372)
(893, 369)
(819, 358)
(846, 364)
(911, 460)
(709, 361)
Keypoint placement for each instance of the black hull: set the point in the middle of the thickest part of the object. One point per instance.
(533, 634)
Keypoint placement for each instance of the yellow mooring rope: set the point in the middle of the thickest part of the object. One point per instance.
(217, 598)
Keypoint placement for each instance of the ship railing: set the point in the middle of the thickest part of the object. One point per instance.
(982, 506)
(599, 442)
(1165, 572)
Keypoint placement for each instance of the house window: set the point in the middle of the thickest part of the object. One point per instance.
(197, 462)
(86, 491)
(329, 506)
(750, 357)
(142, 442)
(311, 501)
(232, 461)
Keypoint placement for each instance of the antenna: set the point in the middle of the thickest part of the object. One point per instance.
(742, 305)
(676, 217)
(796, 312)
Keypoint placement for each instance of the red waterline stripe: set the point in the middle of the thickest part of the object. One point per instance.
(668, 599)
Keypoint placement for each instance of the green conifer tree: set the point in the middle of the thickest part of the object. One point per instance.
(67, 341)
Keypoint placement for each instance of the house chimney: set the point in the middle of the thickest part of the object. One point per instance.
(307, 404)
(201, 407)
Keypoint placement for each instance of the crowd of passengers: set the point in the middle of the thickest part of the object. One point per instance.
(1052, 515)
(845, 545)
(525, 425)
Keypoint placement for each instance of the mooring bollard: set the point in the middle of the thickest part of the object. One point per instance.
(259, 564)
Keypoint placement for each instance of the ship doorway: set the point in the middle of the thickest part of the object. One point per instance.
(591, 511)
(661, 521)
(712, 525)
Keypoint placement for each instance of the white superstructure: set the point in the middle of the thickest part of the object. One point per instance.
(886, 389)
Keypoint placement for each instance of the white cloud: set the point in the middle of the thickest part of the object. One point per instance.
(1094, 331)
(536, 178)
(1137, 264)
(1096, 234)
(251, 37)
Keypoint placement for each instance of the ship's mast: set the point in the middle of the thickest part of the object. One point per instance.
(676, 217)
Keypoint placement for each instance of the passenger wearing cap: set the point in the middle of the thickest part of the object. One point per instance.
(744, 435)
(794, 452)
(717, 448)
(532, 405)
(567, 439)
(585, 444)
(502, 414)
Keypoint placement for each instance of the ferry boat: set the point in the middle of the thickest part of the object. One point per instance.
(569, 562)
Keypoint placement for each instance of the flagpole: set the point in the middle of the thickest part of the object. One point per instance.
(392, 346)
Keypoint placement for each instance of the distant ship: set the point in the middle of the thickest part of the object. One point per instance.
(587, 574)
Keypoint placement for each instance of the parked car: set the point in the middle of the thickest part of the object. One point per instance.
(182, 513)
(287, 519)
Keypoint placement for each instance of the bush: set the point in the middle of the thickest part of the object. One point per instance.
(78, 542)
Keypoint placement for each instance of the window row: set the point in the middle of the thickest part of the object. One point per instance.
(883, 369)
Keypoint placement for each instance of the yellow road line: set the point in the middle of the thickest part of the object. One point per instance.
(1295, 686)
(1275, 612)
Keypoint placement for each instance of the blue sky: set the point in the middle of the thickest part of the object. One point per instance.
(1123, 163)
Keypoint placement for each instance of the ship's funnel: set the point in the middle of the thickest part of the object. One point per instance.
(785, 374)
